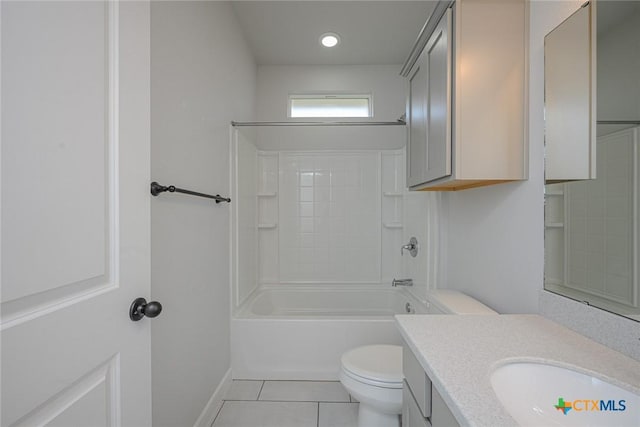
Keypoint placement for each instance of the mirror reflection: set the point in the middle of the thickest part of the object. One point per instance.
(592, 232)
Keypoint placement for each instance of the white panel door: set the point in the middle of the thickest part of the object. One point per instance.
(75, 213)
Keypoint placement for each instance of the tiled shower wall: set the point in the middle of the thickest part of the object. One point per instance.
(330, 217)
(589, 226)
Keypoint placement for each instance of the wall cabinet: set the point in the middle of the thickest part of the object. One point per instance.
(429, 98)
(466, 109)
(569, 93)
(422, 404)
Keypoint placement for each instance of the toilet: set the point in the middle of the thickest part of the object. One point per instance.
(373, 373)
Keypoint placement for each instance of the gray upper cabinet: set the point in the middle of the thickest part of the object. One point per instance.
(570, 91)
(429, 109)
(466, 103)
(417, 123)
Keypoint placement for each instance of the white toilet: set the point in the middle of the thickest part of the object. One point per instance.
(373, 373)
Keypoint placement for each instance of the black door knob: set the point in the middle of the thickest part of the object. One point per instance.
(140, 308)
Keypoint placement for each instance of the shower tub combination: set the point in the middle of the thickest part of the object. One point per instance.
(300, 332)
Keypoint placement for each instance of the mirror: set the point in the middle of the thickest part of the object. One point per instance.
(592, 228)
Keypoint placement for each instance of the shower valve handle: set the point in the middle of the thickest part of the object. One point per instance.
(412, 247)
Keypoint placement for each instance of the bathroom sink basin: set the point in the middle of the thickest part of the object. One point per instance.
(536, 394)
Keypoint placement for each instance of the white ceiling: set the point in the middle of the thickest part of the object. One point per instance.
(372, 32)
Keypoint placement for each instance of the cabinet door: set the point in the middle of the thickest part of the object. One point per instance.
(429, 145)
(569, 91)
(416, 380)
(411, 415)
(417, 115)
(441, 415)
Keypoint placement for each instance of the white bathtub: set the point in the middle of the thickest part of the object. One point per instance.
(301, 333)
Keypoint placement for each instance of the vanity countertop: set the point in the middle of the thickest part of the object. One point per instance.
(459, 353)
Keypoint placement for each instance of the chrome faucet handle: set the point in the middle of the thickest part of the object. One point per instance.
(405, 247)
(412, 247)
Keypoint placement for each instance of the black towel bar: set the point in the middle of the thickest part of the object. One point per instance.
(157, 189)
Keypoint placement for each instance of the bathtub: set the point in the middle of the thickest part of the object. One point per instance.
(300, 333)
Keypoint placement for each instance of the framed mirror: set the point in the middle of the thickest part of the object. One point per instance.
(592, 226)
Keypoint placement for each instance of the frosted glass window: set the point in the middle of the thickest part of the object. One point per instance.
(330, 106)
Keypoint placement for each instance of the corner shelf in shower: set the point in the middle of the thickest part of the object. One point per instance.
(554, 225)
(267, 226)
(392, 225)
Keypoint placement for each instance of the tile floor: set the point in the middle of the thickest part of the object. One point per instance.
(287, 404)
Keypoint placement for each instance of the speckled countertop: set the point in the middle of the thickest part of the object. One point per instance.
(459, 353)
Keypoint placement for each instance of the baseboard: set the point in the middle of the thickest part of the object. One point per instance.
(294, 375)
(213, 406)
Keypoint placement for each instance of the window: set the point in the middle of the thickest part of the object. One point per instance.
(330, 106)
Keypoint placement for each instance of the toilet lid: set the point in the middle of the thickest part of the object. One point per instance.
(381, 363)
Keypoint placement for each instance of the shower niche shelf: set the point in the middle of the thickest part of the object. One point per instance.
(554, 225)
(268, 194)
(392, 225)
(267, 226)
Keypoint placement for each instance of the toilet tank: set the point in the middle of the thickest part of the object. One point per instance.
(445, 301)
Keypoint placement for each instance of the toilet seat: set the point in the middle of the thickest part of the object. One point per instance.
(375, 365)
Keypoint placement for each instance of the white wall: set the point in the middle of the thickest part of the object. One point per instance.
(495, 247)
(203, 76)
(323, 224)
(277, 82)
(600, 222)
(244, 213)
(330, 147)
(495, 234)
(329, 205)
(330, 217)
(618, 64)
(495, 242)
(423, 220)
(615, 331)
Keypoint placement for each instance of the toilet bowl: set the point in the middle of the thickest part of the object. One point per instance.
(373, 375)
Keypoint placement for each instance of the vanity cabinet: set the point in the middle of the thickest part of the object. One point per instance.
(422, 404)
(411, 415)
(466, 96)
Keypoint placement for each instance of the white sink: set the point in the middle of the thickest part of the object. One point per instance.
(532, 392)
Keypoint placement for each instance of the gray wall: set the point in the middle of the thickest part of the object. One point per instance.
(202, 76)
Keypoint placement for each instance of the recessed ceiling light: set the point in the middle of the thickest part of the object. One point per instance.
(329, 39)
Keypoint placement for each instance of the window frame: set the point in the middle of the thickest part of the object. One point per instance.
(329, 95)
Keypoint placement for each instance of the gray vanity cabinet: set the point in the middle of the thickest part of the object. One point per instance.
(422, 404)
(466, 102)
(411, 415)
